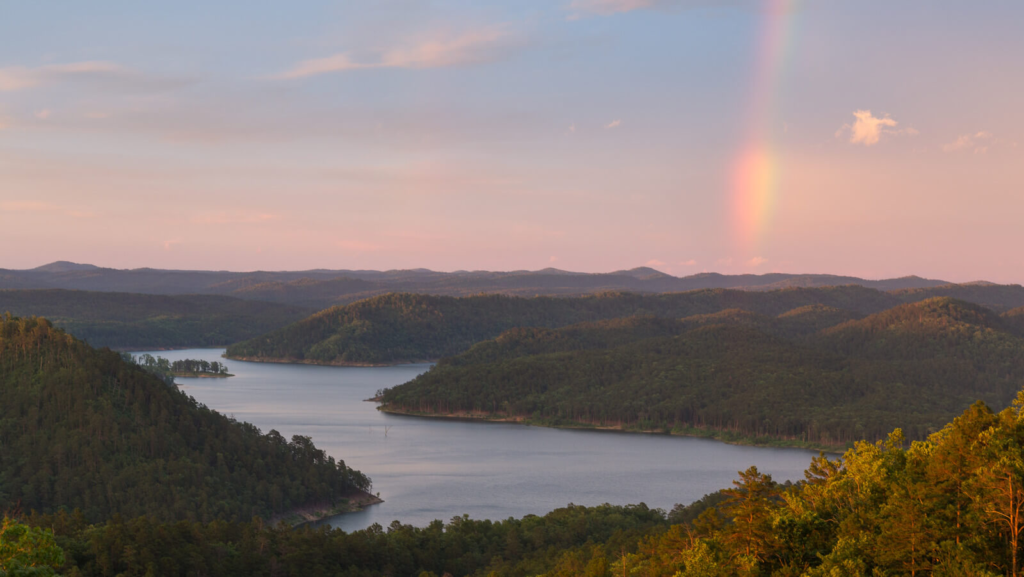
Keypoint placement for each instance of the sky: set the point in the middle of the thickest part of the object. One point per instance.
(863, 137)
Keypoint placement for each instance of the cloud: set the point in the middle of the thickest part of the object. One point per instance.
(613, 124)
(43, 207)
(690, 262)
(608, 7)
(168, 244)
(553, 259)
(980, 142)
(654, 262)
(233, 218)
(473, 47)
(43, 114)
(868, 129)
(724, 261)
(581, 8)
(94, 71)
(757, 261)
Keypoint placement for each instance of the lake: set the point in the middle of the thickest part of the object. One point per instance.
(428, 469)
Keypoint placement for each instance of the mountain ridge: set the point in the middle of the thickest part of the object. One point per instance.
(322, 288)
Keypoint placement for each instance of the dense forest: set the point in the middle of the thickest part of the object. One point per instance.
(397, 328)
(82, 429)
(738, 375)
(137, 321)
(946, 506)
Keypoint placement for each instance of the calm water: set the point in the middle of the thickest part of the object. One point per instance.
(428, 469)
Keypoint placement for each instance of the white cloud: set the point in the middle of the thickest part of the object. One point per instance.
(473, 47)
(868, 129)
(95, 72)
(613, 124)
(168, 244)
(757, 261)
(654, 262)
(690, 262)
(553, 259)
(43, 114)
(20, 77)
(979, 142)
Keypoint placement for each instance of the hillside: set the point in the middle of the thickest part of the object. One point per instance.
(81, 429)
(999, 298)
(939, 507)
(140, 321)
(398, 328)
(746, 375)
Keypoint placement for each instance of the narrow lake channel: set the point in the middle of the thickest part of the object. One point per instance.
(428, 469)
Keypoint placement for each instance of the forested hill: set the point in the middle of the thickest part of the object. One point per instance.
(82, 429)
(738, 375)
(321, 288)
(947, 506)
(398, 328)
(140, 321)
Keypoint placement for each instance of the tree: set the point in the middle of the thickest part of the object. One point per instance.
(750, 504)
(27, 551)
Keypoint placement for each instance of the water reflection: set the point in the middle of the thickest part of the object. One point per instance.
(429, 469)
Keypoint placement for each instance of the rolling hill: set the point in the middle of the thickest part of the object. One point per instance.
(82, 429)
(141, 321)
(396, 328)
(325, 288)
(742, 374)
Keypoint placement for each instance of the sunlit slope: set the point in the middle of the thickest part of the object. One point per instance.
(407, 327)
(80, 428)
(913, 366)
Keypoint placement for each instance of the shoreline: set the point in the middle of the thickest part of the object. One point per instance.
(722, 436)
(283, 361)
(353, 501)
(200, 376)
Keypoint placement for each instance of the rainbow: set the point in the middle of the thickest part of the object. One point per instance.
(756, 169)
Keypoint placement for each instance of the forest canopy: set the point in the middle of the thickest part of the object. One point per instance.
(82, 429)
(738, 375)
(140, 321)
(946, 506)
(398, 328)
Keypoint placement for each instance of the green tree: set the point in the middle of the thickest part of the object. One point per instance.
(27, 551)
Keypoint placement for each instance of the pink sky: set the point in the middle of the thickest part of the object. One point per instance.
(584, 136)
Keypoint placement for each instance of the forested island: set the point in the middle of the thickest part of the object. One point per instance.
(402, 328)
(199, 369)
(736, 375)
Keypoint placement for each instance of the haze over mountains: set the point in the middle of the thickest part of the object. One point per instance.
(321, 288)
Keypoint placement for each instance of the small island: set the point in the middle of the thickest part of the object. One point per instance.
(186, 368)
(192, 368)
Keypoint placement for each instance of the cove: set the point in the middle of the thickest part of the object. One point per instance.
(428, 469)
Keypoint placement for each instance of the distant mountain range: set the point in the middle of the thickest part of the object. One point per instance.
(320, 288)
